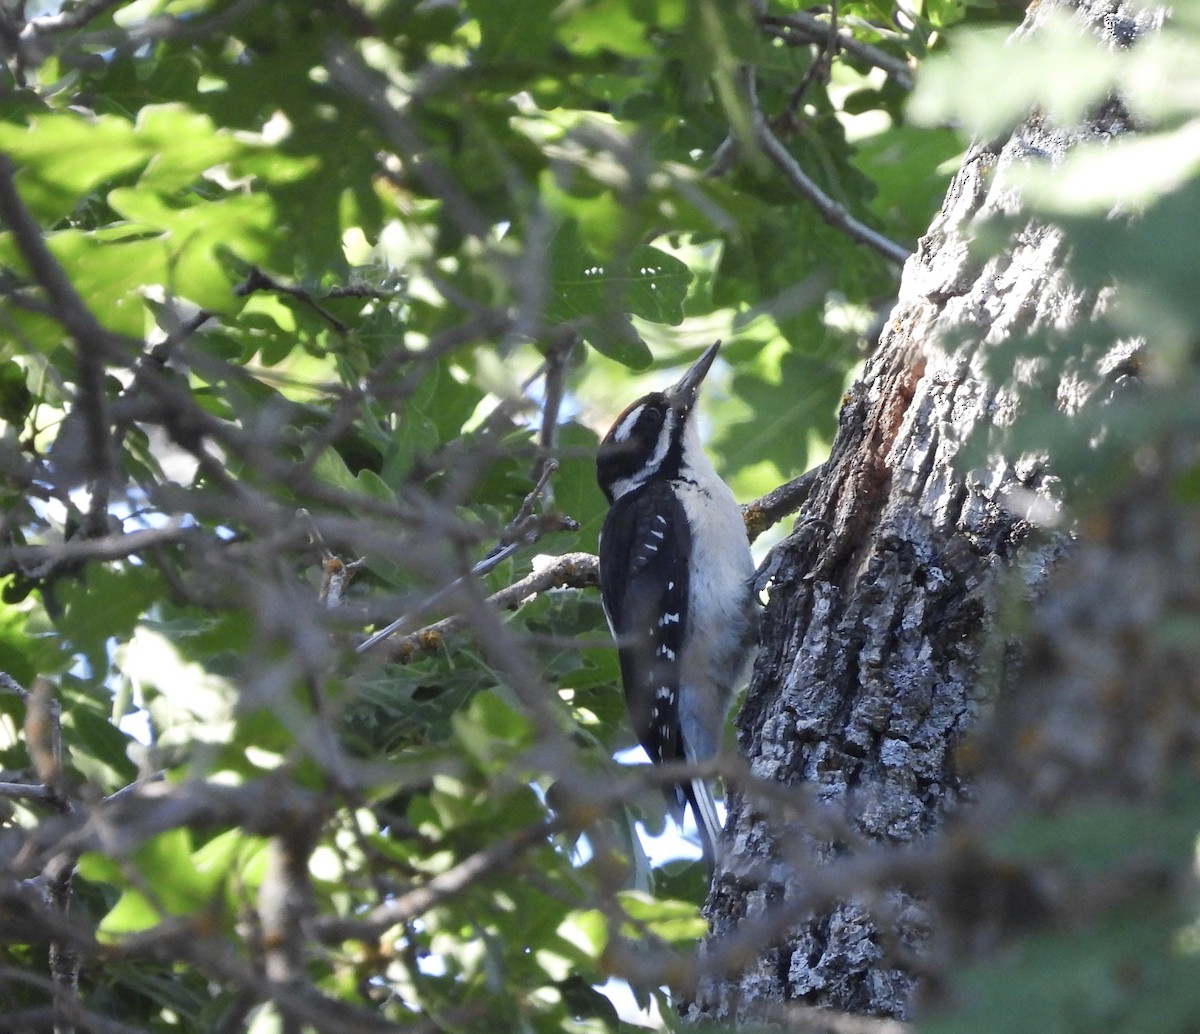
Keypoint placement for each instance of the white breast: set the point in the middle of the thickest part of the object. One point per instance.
(721, 607)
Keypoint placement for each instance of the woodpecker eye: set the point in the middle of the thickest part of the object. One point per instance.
(653, 418)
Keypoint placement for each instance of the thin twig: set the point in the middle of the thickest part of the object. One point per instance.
(165, 27)
(128, 818)
(491, 860)
(524, 530)
(257, 280)
(810, 29)
(167, 346)
(569, 571)
(44, 561)
(70, 310)
(359, 291)
(10, 685)
(184, 939)
(829, 210)
(39, 1017)
(820, 67)
(518, 527)
(71, 18)
(92, 341)
(553, 387)
(596, 800)
(481, 325)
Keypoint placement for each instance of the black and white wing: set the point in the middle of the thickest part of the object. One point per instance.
(644, 548)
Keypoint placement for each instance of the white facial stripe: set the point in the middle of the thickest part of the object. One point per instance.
(623, 486)
(624, 429)
(665, 434)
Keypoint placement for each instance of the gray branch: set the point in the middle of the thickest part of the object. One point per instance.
(829, 210)
(808, 28)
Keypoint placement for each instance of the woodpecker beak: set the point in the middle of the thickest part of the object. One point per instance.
(684, 392)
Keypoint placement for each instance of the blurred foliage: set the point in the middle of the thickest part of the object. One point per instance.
(1126, 957)
(1129, 965)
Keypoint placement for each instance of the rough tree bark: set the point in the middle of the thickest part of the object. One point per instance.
(876, 660)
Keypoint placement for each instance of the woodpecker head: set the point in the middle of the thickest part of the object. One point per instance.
(651, 438)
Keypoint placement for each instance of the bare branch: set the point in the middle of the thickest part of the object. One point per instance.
(41, 1017)
(257, 280)
(581, 571)
(491, 860)
(126, 819)
(285, 901)
(71, 18)
(45, 561)
(829, 210)
(178, 335)
(519, 527)
(770, 509)
(524, 530)
(92, 341)
(335, 577)
(169, 27)
(483, 324)
(10, 685)
(43, 740)
(569, 571)
(69, 307)
(184, 939)
(801, 26)
(552, 395)
(820, 68)
(359, 291)
(585, 804)
(43, 734)
(27, 791)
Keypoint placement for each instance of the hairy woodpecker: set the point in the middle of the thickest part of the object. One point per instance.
(675, 578)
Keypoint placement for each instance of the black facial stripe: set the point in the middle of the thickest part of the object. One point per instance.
(624, 457)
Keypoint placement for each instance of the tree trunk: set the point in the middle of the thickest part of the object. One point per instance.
(876, 659)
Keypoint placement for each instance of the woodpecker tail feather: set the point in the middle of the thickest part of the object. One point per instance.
(708, 823)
